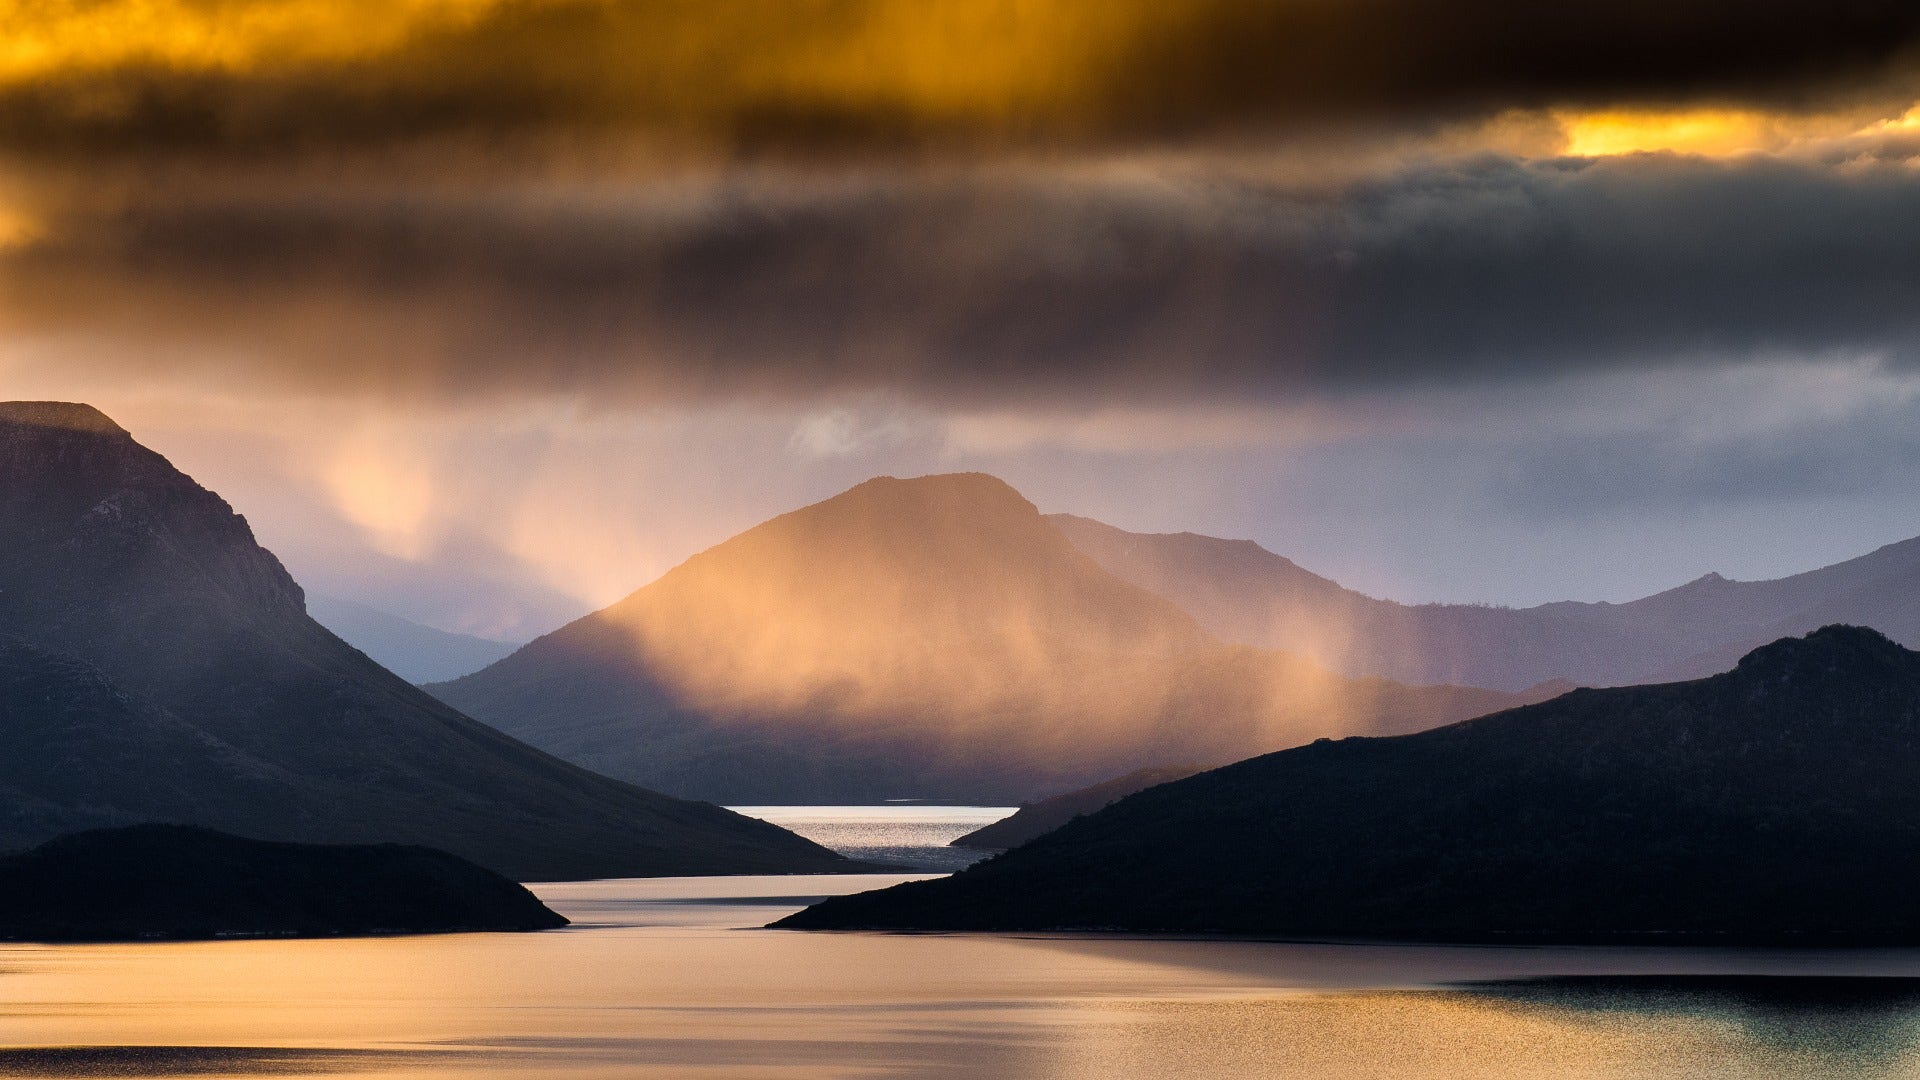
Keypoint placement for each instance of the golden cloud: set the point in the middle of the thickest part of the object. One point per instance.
(45, 38)
(816, 74)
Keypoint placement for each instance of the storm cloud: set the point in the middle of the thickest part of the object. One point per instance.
(1116, 284)
(826, 76)
(488, 310)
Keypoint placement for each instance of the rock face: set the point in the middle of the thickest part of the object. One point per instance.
(156, 664)
(1043, 817)
(1774, 803)
(1243, 593)
(178, 882)
(930, 638)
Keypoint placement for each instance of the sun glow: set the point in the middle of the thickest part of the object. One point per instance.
(1907, 123)
(1717, 132)
(1710, 132)
(385, 494)
(17, 229)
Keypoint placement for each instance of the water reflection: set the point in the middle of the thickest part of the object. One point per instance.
(668, 979)
(94, 1061)
(1858, 1024)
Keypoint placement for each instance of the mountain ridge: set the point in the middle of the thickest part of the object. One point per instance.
(139, 603)
(1768, 804)
(931, 637)
(1247, 594)
(414, 651)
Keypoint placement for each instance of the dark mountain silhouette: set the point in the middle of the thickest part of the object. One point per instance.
(156, 664)
(175, 881)
(416, 653)
(1243, 593)
(1772, 803)
(1047, 815)
(929, 638)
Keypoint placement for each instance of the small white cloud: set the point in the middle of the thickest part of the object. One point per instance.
(846, 431)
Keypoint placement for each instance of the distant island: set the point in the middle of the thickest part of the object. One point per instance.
(177, 882)
(1775, 804)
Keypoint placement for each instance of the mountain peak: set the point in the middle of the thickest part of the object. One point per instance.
(943, 488)
(86, 510)
(1828, 649)
(934, 637)
(58, 416)
(173, 674)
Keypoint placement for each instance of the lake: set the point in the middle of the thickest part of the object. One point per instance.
(917, 836)
(671, 978)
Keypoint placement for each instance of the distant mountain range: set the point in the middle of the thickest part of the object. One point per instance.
(1243, 593)
(933, 638)
(156, 664)
(937, 637)
(1774, 803)
(416, 653)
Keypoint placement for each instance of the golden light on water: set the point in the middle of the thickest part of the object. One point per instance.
(661, 978)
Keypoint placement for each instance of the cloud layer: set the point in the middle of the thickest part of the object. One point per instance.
(1100, 284)
(825, 75)
(517, 302)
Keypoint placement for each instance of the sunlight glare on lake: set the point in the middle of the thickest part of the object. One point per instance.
(669, 978)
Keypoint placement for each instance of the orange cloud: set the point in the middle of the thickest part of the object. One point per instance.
(50, 38)
(1721, 132)
(823, 74)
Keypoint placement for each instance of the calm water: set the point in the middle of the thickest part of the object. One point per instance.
(665, 978)
(899, 835)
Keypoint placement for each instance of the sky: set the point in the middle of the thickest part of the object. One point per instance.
(487, 312)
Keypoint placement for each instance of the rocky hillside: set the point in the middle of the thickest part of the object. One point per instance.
(157, 664)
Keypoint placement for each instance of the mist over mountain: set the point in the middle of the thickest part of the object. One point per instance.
(156, 664)
(933, 638)
(1771, 803)
(416, 653)
(1244, 593)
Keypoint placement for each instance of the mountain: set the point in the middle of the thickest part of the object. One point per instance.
(179, 882)
(931, 638)
(1772, 803)
(1877, 590)
(156, 664)
(1047, 815)
(416, 653)
(1243, 593)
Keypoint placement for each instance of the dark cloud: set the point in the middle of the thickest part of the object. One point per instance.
(817, 75)
(1138, 284)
